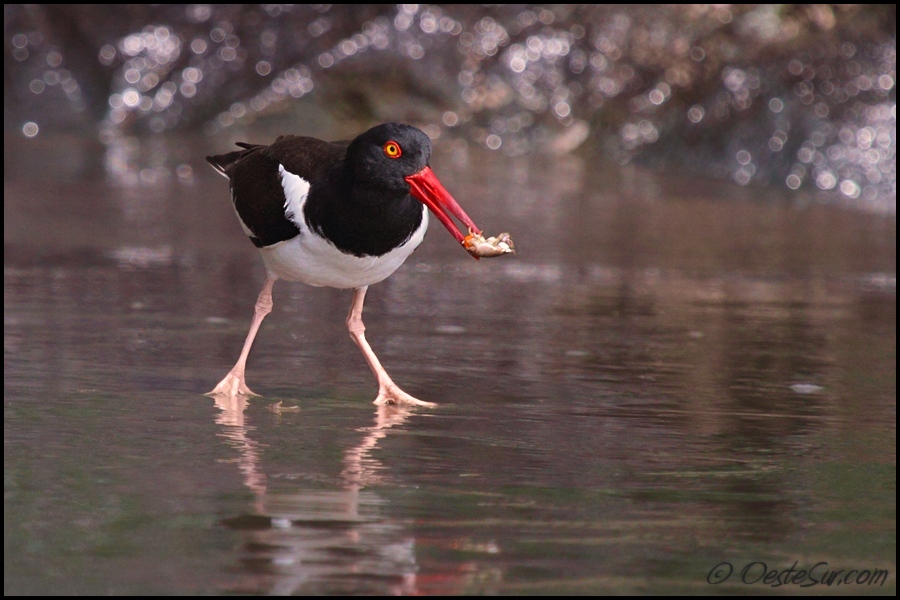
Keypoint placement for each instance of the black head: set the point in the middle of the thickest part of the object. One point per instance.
(384, 155)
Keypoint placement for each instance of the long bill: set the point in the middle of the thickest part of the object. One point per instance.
(426, 187)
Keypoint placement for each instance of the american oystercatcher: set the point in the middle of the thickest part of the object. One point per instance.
(340, 214)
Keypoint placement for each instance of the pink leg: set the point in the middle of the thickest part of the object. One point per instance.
(233, 384)
(388, 392)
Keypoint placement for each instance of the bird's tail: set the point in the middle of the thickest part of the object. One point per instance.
(224, 163)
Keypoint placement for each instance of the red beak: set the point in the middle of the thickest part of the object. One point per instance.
(426, 187)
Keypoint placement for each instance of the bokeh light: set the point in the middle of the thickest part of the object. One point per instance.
(808, 92)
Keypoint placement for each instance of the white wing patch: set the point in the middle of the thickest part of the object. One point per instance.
(314, 260)
(296, 189)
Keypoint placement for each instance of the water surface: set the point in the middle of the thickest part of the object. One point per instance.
(671, 375)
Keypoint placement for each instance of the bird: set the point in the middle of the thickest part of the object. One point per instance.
(338, 214)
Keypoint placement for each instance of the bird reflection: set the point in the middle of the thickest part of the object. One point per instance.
(360, 468)
(234, 429)
(318, 540)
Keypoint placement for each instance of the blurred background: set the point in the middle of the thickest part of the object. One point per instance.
(801, 97)
(690, 362)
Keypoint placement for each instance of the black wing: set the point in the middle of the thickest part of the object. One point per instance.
(256, 182)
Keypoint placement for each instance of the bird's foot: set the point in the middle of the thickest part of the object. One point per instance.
(391, 394)
(232, 385)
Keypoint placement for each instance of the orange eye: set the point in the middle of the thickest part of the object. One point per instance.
(392, 149)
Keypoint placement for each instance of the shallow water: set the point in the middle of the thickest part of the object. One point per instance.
(671, 375)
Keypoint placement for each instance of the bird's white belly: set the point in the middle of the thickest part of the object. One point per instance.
(315, 261)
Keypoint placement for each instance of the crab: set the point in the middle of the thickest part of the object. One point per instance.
(479, 247)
